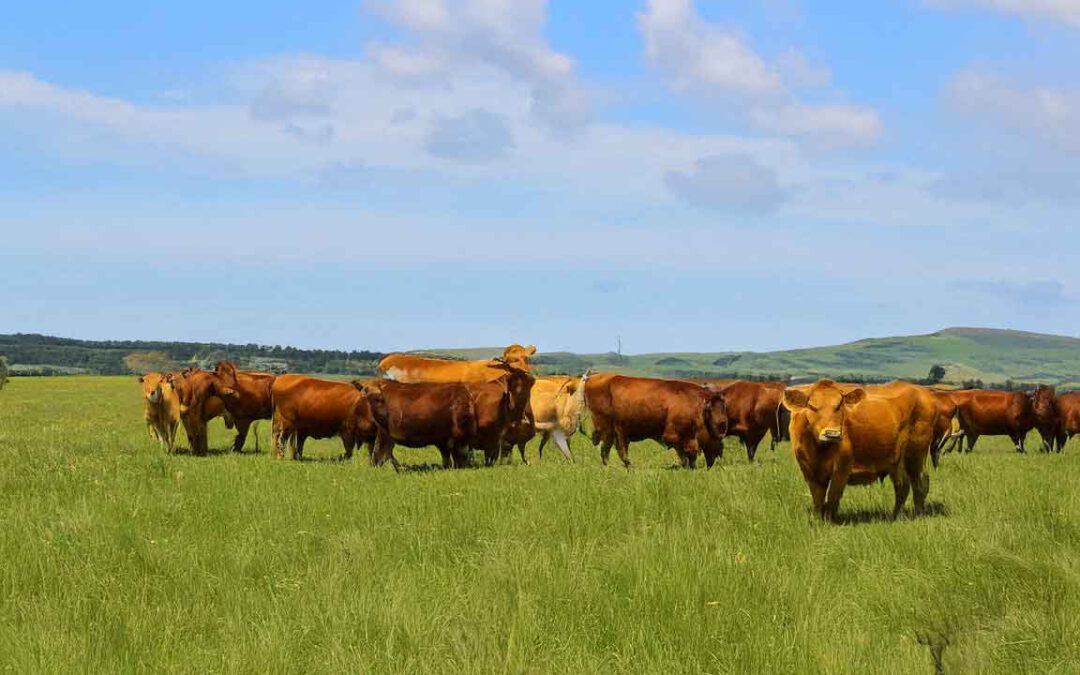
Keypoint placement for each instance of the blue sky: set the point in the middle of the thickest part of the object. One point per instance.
(390, 174)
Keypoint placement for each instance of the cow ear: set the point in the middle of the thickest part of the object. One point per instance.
(795, 399)
(360, 386)
(854, 397)
(141, 378)
(530, 350)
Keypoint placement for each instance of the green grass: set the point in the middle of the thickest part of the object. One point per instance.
(118, 558)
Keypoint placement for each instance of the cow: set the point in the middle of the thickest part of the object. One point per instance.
(1044, 409)
(501, 407)
(420, 414)
(556, 403)
(252, 400)
(856, 437)
(994, 413)
(410, 368)
(161, 409)
(1068, 406)
(306, 407)
(687, 417)
(201, 394)
(753, 411)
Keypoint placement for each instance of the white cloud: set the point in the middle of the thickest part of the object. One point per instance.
(694, 53)
(698, 57)
(1064, 11)
(1046, 113)
(450, 38)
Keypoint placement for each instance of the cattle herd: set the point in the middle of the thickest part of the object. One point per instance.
(840, 433)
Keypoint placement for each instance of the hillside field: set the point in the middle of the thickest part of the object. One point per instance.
(120, 558)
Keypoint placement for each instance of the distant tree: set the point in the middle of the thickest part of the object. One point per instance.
(3, 371)
(937, 374)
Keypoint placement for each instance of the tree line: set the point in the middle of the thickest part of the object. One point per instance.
(32, 354)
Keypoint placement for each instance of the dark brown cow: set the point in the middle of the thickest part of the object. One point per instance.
(1068, 407)
(420, 414)
(994, 413)
(844, 436)
(1044, 408)
(202, 396)
(305, 407)
(500, 407)
(252, 400)
(753, 411)
(687, 417)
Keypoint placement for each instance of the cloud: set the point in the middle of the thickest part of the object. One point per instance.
(303, 91)
(1026, 295)
(693, 53)
(699, 57)
(476, 136)
(734, 182)
(1046, 113)
(1063, 11)
(448, 38)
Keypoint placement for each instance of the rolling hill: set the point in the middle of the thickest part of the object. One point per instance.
(993, 356)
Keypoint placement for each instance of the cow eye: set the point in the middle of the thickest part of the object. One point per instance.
(811, 407)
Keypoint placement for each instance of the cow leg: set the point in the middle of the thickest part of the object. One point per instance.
(241, 435)
(971, 440)
(920, 483)
(521, 451)
(1018, 441)
(752, 441)
(298, 453)
(817, 496)
(563, 443)
(544, 436)
(279, 437)
(837, 483)
(902, 487)
(622, 446)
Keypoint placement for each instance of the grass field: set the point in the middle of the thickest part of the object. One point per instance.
(117, 557)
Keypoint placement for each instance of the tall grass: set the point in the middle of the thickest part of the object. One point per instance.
(119, 558)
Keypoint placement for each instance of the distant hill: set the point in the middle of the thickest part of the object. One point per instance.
(992, 356)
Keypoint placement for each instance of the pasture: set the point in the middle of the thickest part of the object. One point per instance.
(117, 557)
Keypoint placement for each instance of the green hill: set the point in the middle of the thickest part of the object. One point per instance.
(992, 356)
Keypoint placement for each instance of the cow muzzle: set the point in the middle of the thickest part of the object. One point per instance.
(830, 435)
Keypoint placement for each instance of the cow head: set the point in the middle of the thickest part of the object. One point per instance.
(151, 386)
(824, 407)
(518, 385)
(376, 405)
(714, 411)
(518, 356)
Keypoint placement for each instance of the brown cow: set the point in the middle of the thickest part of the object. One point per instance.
(410, 368)
(500, 407)
(856, 437)
(1068, 406)
(305, 407)
(420, 414)
(752, 410)
(201, 395)
(994, 413)
(687, 417)
(161, 409)
(253, 400)
(1044, 408)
